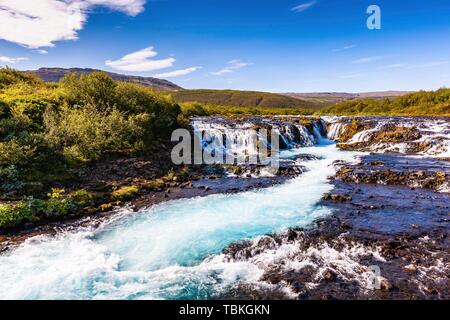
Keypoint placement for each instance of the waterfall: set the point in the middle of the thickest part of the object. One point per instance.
(291, 134)
(335, 129)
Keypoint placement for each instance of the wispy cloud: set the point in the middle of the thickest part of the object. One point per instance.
(140, 61)
(405, 66)
(177, 73)
(368, 59)
(344, 48)
(352, 76)
(304, 6)
(392, 66)
(40, 23)
(233, 65)
(42, 51)
(5, 59)
(428, 65)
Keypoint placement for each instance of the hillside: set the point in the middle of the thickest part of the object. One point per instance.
(336, 97)
(242, 98)
(422, 103)
(56, 74)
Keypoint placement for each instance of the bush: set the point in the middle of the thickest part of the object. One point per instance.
(12, 215)
(125, 193)
(83, 198)
(96, 89)
(15, 154)
(10, 179)
(5, 110)
(10, 76)
(83, 134)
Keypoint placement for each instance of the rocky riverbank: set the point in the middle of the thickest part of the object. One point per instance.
(390, 210)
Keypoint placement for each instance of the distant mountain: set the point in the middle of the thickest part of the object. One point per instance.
(55, 74)
(336, 97)
(237, 98)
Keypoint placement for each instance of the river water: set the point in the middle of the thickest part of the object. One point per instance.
(171, 250)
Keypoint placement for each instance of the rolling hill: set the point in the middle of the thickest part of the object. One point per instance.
(326, 98)
(243, 99)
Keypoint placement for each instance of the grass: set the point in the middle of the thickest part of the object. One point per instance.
(423, 103)
(234, 98)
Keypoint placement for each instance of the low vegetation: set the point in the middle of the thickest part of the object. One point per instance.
(235, 98)
(423, 103)
(49, 133)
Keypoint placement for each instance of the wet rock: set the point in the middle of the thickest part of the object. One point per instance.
(329, 275)
(385, 284)
(336, 197)
(410, 268)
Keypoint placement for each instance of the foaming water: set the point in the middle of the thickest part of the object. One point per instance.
(169, 251)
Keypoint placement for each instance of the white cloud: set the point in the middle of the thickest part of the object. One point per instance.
(352, 76)
(368, 59)
(344, 48)
(177, 73)
(428, 65)
(140, 61)
(393, 66)
(304, 6)
(5, 59)
(232, 66)
(414, 66)
(42, 51)
(40, 23)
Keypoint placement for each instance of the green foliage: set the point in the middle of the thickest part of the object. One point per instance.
(155, 185)
(34, 210)
(97, 89)
(10, 76)
(5, 110)
(124, 193)
(12, 153)
(423, 103)
(242, 99)
(195, 109)
(49, 131)
(10, 179)
(83, 134)
(83, 198)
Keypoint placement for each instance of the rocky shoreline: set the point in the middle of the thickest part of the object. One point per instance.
(402, 230)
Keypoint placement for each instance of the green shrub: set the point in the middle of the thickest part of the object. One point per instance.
(96, 89)
(82, 134)
(10, 179)
(125, 193)
(5, 110)
(12, 215)
(13, 153)
(10, 76)
(83, 198)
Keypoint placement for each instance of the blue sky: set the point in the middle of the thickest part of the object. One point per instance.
(324, 45)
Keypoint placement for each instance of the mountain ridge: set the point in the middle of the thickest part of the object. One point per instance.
(48, 74)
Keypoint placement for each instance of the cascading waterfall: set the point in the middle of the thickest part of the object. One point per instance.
(171, 250)
(292, 135)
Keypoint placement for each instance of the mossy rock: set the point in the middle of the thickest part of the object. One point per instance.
(125, 193)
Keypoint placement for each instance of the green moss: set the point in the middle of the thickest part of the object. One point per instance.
(125, 193)
(155, 185)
